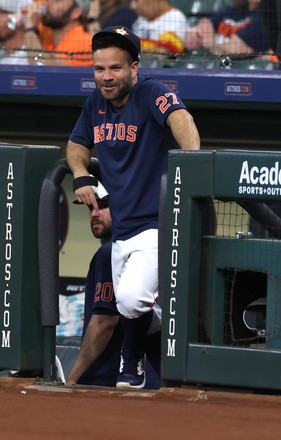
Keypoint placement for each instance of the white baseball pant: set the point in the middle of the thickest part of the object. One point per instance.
(135, 273)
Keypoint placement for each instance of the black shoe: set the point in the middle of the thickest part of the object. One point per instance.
(131, 372)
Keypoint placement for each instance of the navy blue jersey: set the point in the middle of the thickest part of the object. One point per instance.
(247, 25)
(99, 299)
(99, 296)
(132, 144)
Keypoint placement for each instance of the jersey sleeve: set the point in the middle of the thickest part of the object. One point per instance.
(163, 101)
(83, 132)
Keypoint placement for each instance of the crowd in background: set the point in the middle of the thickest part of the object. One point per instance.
(59, 32)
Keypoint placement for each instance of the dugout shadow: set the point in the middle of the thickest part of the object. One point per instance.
(241, 288)
(234, 274)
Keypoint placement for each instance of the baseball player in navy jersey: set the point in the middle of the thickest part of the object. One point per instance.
(132, 121)
(102, 336)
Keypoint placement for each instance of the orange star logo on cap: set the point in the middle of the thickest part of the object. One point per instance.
(121, 31)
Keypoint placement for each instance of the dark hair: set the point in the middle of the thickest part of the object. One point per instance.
(111, 41)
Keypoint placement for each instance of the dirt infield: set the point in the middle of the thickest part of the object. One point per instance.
(30, 411)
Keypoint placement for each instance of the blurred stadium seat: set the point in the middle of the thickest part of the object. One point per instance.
(198, 62)
(190, 62)
(254, 64)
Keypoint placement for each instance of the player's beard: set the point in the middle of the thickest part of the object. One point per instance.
(102, 232)
(60, 21)
(118, 94)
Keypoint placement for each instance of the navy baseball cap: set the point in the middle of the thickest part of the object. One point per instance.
(130, 40)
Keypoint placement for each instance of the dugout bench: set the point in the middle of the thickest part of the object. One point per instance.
(194, 260)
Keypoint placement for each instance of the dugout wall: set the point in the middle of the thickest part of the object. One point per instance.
(30, 178)
(22, 170)
(204, 255)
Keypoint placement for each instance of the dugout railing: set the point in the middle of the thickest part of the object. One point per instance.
(207, 261)
(48, 252)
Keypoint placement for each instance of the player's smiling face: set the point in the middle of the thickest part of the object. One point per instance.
(115, 76)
